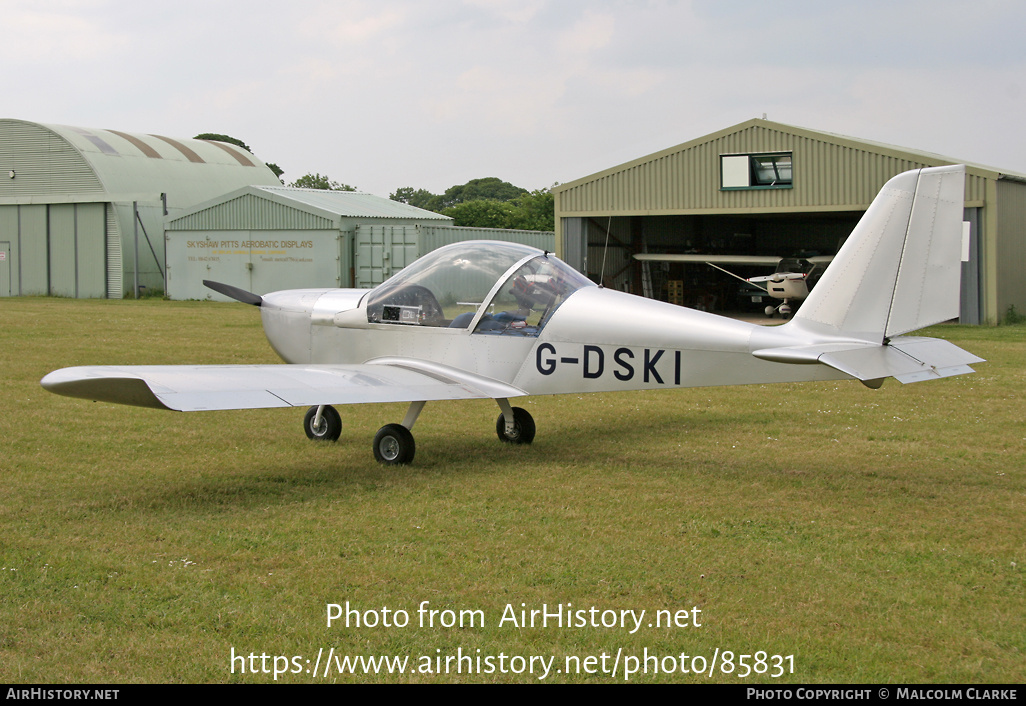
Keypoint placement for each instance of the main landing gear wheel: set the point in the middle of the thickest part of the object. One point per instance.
(328, 429)
(394, 445)
(523, 427)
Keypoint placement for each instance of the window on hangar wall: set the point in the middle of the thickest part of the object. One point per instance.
(756, 171)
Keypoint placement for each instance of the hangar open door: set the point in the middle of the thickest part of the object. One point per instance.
(604, 249)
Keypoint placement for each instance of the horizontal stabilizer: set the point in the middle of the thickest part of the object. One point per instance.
(909, 359)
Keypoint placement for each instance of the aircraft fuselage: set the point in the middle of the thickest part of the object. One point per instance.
(647, 344)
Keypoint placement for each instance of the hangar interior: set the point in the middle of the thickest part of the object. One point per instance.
(697, 285)
(762, 188)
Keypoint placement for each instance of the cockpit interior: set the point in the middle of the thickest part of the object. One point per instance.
(492, 288)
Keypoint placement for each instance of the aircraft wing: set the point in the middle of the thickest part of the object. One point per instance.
(754, 260)
(777, 277)
(190, 388)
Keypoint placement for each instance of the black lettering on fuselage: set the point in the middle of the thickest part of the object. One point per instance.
(650, 364)
(546, 366)
(592, 362)
(595, 351)
(628, 369)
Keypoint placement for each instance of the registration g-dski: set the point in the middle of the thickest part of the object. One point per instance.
(499, 320)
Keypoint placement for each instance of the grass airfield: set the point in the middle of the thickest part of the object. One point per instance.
(873, 535)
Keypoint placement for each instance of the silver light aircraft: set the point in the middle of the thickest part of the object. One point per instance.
(497, 320)
(789, 282)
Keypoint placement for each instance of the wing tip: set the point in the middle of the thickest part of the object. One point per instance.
(118, 389)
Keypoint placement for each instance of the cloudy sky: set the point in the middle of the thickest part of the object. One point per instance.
(382, 94)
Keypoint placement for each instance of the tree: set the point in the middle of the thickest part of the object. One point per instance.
(537, 211)
(421, 198)
(223, 138)
(486, 189)
(320, 181)
(487, 203)
(483, 213)
(238, 143)
(489, 188)
(533, 211)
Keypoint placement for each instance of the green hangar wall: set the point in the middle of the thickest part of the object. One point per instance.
(268, 238)
(765, 188)
(82, 210)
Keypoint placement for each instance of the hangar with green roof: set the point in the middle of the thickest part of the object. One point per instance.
(87, 212)
(82, 210)
(267, 238)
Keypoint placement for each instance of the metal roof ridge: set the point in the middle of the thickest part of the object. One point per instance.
(764, 122)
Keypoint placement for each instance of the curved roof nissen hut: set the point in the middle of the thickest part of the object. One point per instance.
(82, 209)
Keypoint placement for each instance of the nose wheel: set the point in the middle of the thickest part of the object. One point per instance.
(784, 310)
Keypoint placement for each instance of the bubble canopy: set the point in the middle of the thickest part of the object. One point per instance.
(499, 288)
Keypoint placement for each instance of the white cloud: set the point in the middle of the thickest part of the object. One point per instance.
(351, 22)
(518, 11)
(56, 36)
(385, 93)
(594, 31)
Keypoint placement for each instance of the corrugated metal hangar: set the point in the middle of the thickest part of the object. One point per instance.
(103, 213)
(75, 202)
(267, 238)
(764, 188)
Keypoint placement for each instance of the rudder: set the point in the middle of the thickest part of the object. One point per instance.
(900, 269)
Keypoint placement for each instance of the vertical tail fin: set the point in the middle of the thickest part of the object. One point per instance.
(900, 269)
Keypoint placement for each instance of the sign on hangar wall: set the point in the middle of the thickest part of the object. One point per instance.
(260, 262)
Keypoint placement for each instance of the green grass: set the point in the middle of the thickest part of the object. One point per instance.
(876, 535)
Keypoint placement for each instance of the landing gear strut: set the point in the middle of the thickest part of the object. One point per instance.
(394, 444)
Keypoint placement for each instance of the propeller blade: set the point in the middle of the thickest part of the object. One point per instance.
(234, 292)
